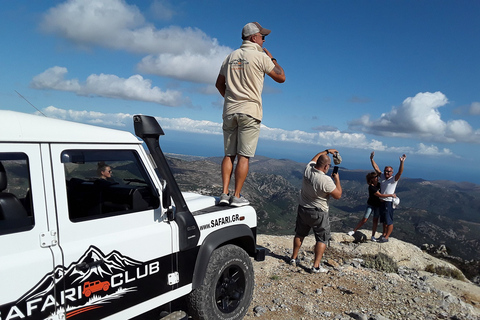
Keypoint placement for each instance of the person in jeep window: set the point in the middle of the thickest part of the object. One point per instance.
(104, 171)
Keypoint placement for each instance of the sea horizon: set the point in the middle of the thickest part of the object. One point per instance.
(201, 145)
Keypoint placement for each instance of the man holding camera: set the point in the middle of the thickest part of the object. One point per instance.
(388, 184)
(312, 212)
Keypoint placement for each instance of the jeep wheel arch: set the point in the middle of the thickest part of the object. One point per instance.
(240, 235)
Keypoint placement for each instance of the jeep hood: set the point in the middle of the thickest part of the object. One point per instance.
(197, 202)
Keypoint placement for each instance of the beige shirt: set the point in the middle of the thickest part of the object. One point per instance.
(244, 71)
(316, 188)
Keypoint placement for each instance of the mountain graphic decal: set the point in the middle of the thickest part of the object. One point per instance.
(102, 266)
(94, 286)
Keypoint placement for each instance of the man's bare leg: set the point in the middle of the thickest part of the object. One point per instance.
(389, 231)
(297, 243)
(374, 227)
(227, 169)
(319, 250)
(241, 172)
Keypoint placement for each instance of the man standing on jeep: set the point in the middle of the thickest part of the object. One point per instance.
(240, 82)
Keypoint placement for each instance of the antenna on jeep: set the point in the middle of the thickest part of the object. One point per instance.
(30, 103)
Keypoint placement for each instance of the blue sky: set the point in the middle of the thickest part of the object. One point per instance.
(391, 76)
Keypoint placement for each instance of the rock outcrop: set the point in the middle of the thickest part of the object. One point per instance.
(352, 291)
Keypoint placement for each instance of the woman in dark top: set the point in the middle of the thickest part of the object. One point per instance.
(373, 204)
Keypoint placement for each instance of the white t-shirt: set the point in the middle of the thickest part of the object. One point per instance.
(387, 186)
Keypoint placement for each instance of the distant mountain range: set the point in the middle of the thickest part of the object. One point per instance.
(430, 212)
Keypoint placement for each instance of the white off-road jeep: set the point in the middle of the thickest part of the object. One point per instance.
(75, 244)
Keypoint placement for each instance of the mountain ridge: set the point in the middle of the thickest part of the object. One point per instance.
(353, 288)
(434, 212)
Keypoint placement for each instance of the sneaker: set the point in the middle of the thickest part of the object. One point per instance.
(383, 239)
(294, 262)
(238, 202)
(351, 233)
(373, 239)
(224, 200)
(318, 270)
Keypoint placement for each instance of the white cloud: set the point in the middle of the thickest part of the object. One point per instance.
(432, 150)
(459, 130)
(189, 66)
(324, 139)
(90, 117)
(419, 118)
(93, 22)
(475, 108)
(54, 78)
(327, 138)
(421, 114)
(189, 125)
(110, 86)
(182, 53)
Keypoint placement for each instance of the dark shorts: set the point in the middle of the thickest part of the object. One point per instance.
(386, 212)
(313, 219)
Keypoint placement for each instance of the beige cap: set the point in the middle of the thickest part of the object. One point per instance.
(395, 202)
(252, 28)
(337, 159)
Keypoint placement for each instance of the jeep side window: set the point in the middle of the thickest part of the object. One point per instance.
(16, 212)
(102, 183)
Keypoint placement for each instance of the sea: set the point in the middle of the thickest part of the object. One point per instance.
(415, 167)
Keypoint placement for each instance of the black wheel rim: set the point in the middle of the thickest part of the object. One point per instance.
(230, 289)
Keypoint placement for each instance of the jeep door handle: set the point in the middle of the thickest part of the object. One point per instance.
(85, 266)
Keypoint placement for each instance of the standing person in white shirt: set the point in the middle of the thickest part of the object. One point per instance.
(388, 184)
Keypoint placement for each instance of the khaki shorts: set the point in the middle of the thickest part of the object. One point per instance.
(240, 134)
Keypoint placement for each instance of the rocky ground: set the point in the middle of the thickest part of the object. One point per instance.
(352, 291)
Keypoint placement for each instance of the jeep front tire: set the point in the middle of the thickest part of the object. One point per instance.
(227, 288)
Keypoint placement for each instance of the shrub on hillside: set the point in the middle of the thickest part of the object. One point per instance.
(380, 262)
(444, 271)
